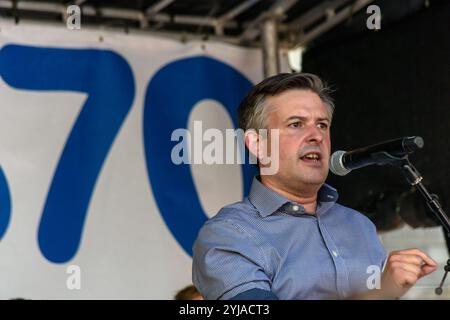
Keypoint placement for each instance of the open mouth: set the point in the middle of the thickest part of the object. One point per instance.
(312, 157)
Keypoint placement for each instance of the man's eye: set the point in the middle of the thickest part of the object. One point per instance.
(294, 125)
(323, 125)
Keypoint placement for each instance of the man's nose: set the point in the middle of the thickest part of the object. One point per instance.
(315, 135)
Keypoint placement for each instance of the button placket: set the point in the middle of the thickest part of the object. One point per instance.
(341, 270)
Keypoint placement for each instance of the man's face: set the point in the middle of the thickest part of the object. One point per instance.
(304, 122)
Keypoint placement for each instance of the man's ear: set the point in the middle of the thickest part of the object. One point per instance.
(251, 139)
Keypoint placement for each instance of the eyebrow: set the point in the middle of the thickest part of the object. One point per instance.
(305, 119)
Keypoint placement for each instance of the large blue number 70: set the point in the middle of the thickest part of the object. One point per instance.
(107, 79)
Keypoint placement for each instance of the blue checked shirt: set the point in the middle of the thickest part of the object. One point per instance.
(268, 242)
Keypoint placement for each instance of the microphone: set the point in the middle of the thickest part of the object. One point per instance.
(342, 162)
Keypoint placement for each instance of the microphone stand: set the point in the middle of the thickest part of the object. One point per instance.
(414, 178)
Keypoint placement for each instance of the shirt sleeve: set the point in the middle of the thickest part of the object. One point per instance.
(227, 261)
(380, 248)
(255, 294)
(374, 245)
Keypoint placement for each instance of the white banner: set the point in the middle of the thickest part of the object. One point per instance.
(91, 207)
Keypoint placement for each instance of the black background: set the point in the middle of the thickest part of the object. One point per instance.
(390, 83)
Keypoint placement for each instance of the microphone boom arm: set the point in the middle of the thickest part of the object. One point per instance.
(414, 178)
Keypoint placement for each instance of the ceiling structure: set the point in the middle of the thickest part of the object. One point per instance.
(298, 23)
(237, 21)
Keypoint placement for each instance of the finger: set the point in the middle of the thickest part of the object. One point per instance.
(408, 258)
(413, 268)
(425, 257)
(426, 270)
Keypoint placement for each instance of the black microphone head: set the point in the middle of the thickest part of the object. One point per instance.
(337, 163)
(412, 144)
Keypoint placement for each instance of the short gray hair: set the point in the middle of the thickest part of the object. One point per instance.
(252, 112)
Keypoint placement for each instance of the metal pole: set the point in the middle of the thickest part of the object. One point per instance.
(270, 47)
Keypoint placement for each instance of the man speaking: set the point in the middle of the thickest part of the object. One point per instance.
(290, 239)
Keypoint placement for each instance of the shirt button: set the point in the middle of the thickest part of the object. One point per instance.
(335, 254)
(295, 207)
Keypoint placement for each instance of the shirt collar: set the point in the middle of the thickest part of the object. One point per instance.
(267, 201)
(326, 198)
